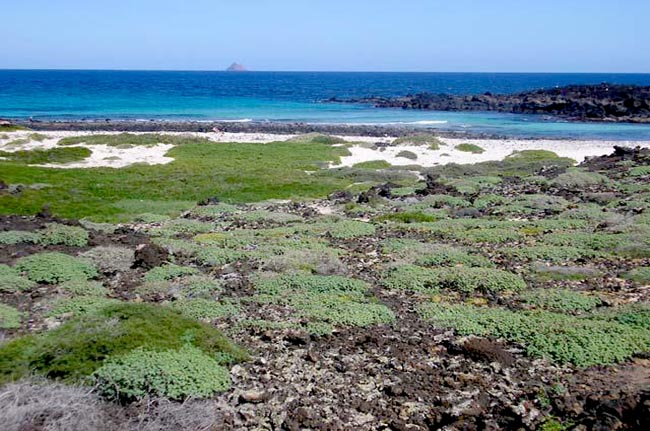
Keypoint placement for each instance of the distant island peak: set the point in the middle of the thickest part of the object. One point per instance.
(237, 67)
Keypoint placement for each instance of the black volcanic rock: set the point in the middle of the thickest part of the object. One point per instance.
(604, 102)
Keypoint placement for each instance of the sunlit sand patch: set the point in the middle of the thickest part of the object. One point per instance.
(102, 155)
(494, 149)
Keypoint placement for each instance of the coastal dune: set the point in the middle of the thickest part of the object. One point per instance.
(361, 148)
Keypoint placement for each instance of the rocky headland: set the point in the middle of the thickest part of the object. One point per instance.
(603, 102)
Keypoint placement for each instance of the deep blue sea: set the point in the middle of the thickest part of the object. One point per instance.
(291, 97)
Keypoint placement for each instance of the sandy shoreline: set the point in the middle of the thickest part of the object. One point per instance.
(362, 148)
(267, 127)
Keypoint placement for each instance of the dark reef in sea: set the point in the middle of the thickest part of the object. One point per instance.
(603, 102)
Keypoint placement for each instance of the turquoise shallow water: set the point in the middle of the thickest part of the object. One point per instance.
(291, 97)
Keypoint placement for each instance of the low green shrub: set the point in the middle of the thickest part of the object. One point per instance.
(204, 309)
(169, 271)
(216, 256)
(38, 137)
(528, 204)
(367, 175)
(470, 148)
(519, 164)
(110, 259)
(372, 164)
(640, 171)
(275, 285)
(183, 226)
(55, 267)
(317, 138)
(408, 217)
(411, 278)
(79, 347)
(80, 305)
(178, 246)
(634, 246)
(167, 208)
(474, 184)
(452, 256)
(342, 310)
(60, 234)
(106, 228)
(575, 177)
(154, 218)
(430, 141)
(402, 191)
(175, 374)
(83, 288)
(552, 272)
(52, 155)
(636, 315)
(443, 201)
(407, 155)
(322, 262)
(591, 212)
(11, 281)
(324, 300)
(130, 140)
(402, 246)
(639, 275)
(549, 253)
(558, 337)
(489, 201)
(585, 240)
(214, 210)
(9, 317)
(184, 287)
(12, 237)
(464, 280)
(554, 225)
(560, 300)
(346, 229)
(11, 128)
(272, 216)
(488, 235)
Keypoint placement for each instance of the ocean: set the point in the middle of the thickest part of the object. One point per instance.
(292, 97)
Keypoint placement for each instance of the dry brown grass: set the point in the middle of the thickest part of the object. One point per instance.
(165, 415)
(41, 405)
(45, 406)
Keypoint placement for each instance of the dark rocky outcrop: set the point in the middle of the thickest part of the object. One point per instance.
(236, 67)
(604, 102)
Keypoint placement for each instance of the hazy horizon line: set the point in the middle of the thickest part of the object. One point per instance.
(312, 71)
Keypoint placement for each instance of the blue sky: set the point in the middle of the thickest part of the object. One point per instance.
(344, 35)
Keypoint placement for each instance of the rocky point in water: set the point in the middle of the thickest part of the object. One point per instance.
(236, 67)
(603, 102)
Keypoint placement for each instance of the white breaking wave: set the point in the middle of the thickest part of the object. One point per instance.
(429, 122)
(239, 120)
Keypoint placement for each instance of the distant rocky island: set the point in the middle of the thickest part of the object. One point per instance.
(236, 67)
(603, 102)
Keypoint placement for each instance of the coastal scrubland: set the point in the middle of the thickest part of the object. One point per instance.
(244, 286)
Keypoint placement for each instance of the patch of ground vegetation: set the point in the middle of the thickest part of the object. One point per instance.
(201, 169)
(432, 293)
(373, 164)
(580, 341)
(42, 157)
(78, 348)
(470, 148)
(430, 141)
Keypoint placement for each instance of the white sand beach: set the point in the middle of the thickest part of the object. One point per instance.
(360, 150)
